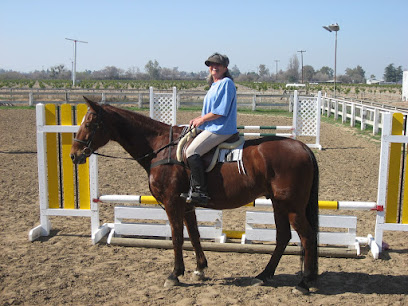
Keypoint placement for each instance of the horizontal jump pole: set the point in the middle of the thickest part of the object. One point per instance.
(266, 134)
(265, 127)
(231, 247)
(333, 205)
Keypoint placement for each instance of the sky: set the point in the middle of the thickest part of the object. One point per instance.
(125, 34)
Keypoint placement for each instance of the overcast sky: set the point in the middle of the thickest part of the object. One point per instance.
(373, 34)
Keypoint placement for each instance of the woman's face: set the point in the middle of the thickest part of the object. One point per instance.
(217, 70)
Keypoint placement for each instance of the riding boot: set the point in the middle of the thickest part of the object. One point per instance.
(198, 194)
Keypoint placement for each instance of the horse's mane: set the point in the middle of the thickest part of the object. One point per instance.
(136, 120)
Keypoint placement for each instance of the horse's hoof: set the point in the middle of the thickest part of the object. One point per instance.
(301, 289)
(257, 282)
(198, 276)
(171, 282)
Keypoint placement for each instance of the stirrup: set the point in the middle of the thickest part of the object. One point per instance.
(195, 197)
(198, 198)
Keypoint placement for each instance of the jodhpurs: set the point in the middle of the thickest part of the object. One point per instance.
(204, 142)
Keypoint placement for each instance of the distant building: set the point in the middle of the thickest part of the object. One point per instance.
(373, 81)
(295, 85)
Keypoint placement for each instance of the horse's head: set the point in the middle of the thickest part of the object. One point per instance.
(91, 134)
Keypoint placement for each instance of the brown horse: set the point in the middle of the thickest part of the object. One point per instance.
(282, 169)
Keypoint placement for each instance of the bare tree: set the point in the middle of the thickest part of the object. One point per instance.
(292, 74)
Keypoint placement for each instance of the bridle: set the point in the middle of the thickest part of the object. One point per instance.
(94, 126)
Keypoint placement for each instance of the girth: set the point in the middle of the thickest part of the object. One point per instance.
(168, 160)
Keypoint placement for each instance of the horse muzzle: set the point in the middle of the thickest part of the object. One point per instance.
(78, 159)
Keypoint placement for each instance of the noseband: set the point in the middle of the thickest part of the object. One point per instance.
(87, 150)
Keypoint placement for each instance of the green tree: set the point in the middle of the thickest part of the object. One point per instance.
(392, 74)
(399, 74)
(327, 71)
(153, 70)
(357, 75)
(235, 71)
(308, 73)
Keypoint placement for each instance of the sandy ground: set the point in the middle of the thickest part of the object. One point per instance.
(66, 268)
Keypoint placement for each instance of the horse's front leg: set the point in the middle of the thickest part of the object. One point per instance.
(190, 220)
(175, 214)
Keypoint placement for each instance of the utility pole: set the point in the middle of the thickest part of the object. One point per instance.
(276, 65)
(75, 53)
(301, 56)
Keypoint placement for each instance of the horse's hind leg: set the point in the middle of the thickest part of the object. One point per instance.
(309, 241)
(190, 220)
(283, 235)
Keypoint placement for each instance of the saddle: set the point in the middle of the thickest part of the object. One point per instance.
(228, 151)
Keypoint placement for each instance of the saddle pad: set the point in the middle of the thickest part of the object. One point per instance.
(233, 155)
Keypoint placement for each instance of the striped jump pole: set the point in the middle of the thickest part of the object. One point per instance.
(271, 127)
(150, 200)
(64, 188)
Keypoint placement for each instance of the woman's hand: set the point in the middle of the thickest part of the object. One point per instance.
(196, 122)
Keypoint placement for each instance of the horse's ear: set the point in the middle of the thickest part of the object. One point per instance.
(92, 105)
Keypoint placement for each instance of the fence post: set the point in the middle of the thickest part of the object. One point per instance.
(376, 121)
(31, 99)
(318, 119)
(291, 98)
(174, 105)
(254, 102)
(103, 98)
(344, 109)
(295, 114)
(363, 118)
(140, 102)
(336, 109)
(353, 115)
(151, 102)
(329, 102)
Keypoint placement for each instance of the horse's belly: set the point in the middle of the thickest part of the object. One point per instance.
(230, 189)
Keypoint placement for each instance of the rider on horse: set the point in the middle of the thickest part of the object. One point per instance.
(218, 122)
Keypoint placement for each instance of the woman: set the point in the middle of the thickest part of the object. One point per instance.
(218, 122)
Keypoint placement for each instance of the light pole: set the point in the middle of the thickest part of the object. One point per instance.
(276, 65)
(334, 27)
(301, 56)
(75, 52)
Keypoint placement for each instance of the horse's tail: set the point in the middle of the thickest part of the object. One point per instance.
(312, 213)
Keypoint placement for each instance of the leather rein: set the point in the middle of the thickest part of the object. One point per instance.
(88, 151)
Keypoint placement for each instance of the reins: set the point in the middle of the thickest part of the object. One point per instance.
(154, 153)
